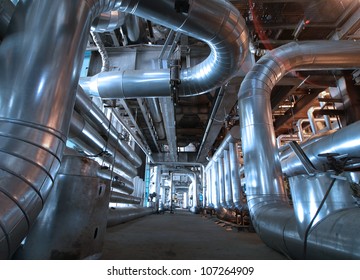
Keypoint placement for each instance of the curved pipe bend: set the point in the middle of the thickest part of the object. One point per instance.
(264, 183)
(217, 23)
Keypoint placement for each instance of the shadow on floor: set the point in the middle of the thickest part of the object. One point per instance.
(182, 236)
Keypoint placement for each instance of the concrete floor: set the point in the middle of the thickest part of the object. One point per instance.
(182, 236)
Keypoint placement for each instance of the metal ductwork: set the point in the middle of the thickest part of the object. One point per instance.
(218, 23)
(108, 21)
(271, 214)
(36, 106)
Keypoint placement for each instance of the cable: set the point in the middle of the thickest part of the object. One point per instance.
(316, 214)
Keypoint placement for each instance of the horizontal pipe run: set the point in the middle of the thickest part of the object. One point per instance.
(122, 215)
(117, 197)
(87, 107)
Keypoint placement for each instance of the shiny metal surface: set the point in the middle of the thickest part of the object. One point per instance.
(72, 224)
(341, 142)
(263, 172)
(121, 215)
(308, 191)
(117, 197)
(237, 194)
(108, 21)
(81, 132)
(102, 51)
(217, 23)
(96, 116)
(221, 182)
(154, 108)
(116, 180)
(227, 181)
(36, 106)
(215, 185)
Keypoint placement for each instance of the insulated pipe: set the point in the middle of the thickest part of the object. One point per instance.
(39, 76)
(117, 181)
(215, 185)
(154, 108)
(217, 23)
(342, 142)
(81, 130)
(227, 180)
(102, 51)
(117, 197)
(102, 123)
(122, 215)
(235, 178)
(108, 21)
(267, 200)
(221, 185)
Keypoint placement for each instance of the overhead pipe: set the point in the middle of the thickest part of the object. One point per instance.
(108, 21)
(155, 112)
(81, 130)
(218, 23)
(102, 51)
(272, 217)
(102, 123)
(34, 125)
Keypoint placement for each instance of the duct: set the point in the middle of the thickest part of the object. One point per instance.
(81, 130)
(155, 113)
(117, 181)
(34, 125)
(121, 215)
(117, 197)
(102, 123)
(108, 21)
(343, 142)
(267, 200)
(221, 188)
(195, 194)
(102, 51)
(218, 23)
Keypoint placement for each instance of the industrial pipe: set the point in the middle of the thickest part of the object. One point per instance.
(218, 23)
(272, 217)
(34, 125)
(102, 123)
(81, 130)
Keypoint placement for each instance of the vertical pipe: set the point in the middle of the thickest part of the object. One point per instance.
(40, 73)
(215, 184)
(235, 178)
(227, 180)
(221, 185)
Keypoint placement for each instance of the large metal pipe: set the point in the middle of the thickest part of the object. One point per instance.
(221, 187)
(155, 113)
(102, 123)
(267, 200)
(117, 181)
(218, 23)
(36, 106)
(83, 131)
(117, 197)
(227, 180)
(108, 21)
(121, 215)
(343, 142)
(238, 197)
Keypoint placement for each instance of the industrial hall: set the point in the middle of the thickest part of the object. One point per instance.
(179, 129)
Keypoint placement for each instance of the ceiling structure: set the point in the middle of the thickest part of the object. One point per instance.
(189, 129)
(202, 121)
